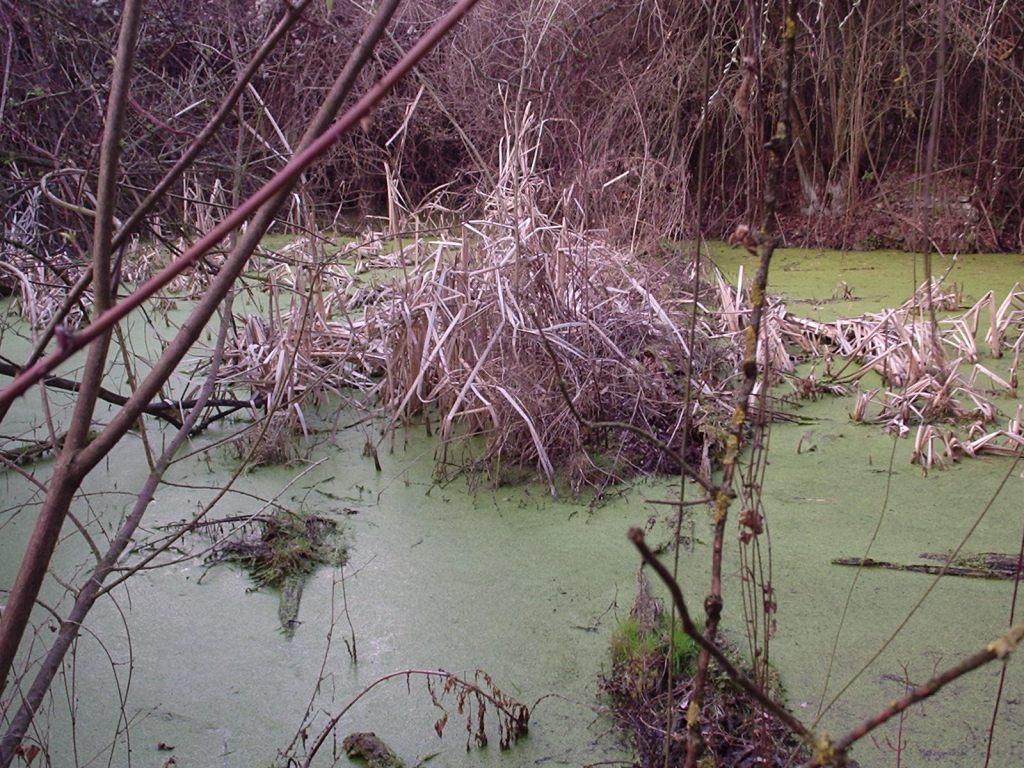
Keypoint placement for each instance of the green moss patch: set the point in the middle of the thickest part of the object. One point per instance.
(281, 551)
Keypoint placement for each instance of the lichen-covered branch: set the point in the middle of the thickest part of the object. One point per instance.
(833, 753)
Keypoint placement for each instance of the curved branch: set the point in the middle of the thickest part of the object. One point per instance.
(834, 753)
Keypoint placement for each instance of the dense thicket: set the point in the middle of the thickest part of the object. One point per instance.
(626, 90)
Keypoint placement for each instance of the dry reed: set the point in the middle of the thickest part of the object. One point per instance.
(509, 332)
(927, 379)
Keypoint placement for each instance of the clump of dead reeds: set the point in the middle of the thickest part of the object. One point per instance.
(527, 331)
(36, 270)
(272, 442)
(311, 341)
(524, 331)
(930, 374)
(533, 323)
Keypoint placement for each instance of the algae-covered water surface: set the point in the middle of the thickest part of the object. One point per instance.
(836, 490)
(189, 661)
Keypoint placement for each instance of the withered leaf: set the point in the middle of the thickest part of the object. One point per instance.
(440, 724)
(28, 754)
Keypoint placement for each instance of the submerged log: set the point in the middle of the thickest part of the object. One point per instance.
(987, 565)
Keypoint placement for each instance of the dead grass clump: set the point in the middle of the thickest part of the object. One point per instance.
(535, 336)
(273, 443)
(539, 344)
(277, 548)
(313, 341)
(544, 340)
(36, 268)
(930, 375)
(734, 732)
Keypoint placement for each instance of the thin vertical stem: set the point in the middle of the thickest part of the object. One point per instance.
(767, 239)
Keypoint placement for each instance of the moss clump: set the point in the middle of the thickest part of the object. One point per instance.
(644, 653)
(639, 683)
(283, 552)
(286, 545)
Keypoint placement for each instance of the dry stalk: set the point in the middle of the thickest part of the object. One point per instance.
(921, 386)
(766, 240)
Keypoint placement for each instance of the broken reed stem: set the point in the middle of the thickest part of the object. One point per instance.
(766, 241)
(709, 647)
(833, 753)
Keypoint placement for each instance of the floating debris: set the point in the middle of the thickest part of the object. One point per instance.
(930, 375)
(280, 551)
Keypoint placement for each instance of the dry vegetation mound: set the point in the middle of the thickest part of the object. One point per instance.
(528, 342)
(558, 350)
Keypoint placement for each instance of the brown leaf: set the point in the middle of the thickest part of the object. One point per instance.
(440, 724)
(163, 746)
(753, 520)
(28, 754)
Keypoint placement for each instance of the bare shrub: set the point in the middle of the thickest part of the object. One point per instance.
(620, 85)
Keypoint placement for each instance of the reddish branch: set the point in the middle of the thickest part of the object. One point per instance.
(171, 177)
(66, 479)
(834, 753)
(78, 459)
(281, 180)
(156, 120)
(766, 240)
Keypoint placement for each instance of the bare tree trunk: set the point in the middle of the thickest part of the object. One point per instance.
(79, 459)
(67, 475)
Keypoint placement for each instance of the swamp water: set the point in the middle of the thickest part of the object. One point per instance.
(529, 589)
